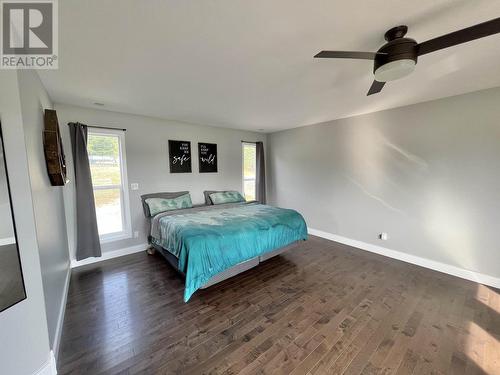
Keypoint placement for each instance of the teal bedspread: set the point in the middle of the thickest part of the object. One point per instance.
(209, 241)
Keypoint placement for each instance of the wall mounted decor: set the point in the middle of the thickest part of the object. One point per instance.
(207, 157)
(179, 156)
(53, 149)
(11, 275)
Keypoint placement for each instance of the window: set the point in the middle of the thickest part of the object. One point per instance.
(106, 150)
(249, 166)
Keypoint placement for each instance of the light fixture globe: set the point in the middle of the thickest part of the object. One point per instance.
(397, 58)
(394, 70)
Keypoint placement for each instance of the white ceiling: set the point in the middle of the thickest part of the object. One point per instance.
(248, 64)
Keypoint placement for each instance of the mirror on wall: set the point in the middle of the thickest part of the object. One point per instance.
(11, 277)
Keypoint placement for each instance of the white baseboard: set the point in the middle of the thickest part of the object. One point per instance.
(110, 255)
(60, 318)
(477, 277)
(49, 367)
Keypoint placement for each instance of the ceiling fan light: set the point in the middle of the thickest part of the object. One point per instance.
(395, 70)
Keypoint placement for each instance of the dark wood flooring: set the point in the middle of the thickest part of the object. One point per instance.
(322, 308)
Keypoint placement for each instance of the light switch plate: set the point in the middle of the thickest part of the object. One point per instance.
(134, 186)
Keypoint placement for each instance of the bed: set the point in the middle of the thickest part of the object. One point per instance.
(210, 243)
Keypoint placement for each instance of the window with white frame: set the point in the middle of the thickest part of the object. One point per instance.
(106, 150)
(249, 168)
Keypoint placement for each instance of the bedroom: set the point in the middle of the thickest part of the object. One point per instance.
(376, 249)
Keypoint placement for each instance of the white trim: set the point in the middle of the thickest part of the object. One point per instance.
(110, 255)
(477, 277)
(126, 233)
(49, 367)
(243, 179)
(7, 241)
(107, 187)
(60, 318)
(112, 237)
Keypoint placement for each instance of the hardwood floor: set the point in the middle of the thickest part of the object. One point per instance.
(323, 308)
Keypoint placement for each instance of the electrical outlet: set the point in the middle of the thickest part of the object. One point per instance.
(136, 234)
(134, 186)
(383, 236)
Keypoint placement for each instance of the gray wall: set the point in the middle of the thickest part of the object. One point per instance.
(428, 174)
(147, 160)
(24, 343)
(48, 200)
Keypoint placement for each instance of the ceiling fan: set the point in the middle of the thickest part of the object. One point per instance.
(398, 57)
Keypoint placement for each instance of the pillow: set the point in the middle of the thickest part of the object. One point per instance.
(164, 195)
(226, 197)
(207, 193)
(158, 205)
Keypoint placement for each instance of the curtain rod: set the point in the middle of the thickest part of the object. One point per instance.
(104, 127)
(242, 141)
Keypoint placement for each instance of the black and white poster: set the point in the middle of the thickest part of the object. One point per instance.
(179, 156)
(207, 155)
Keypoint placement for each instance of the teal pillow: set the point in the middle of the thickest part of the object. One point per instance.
(226, 197)
(157, 205)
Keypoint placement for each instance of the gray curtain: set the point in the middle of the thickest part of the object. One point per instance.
(87, 236)
(260, 174)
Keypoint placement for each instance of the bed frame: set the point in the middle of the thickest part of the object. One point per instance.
(224, 275)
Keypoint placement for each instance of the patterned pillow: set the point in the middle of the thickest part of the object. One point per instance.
(226, 197)
(157, 205)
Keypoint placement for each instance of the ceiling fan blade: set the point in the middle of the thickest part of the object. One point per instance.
(375, 88)
(347, 55)
(461, 36)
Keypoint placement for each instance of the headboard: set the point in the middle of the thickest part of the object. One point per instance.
(166, 195)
